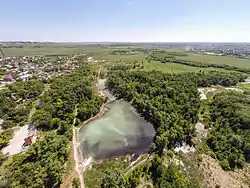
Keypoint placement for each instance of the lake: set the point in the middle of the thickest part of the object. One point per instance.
(120, 131)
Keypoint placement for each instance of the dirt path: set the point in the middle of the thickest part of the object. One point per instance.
(81, 165)
(138, 164)
(78, 166)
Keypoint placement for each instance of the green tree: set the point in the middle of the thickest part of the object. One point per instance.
(113, 179)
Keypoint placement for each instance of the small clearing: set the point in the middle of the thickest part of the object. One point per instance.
(201, 131)
(204, 91)
(185, 148)
(145, 184)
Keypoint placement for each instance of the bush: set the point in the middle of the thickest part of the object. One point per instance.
(76, 183)
(170, 153)
(224, 164)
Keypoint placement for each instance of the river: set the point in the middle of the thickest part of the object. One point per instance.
(120, 131)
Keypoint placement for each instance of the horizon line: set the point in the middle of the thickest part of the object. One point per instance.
(34, 41)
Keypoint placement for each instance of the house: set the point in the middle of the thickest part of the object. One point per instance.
(32, 136)
(28, 140)
(8, 78)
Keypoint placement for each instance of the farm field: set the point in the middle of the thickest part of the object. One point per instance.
(223, 60)
(103, 52)
(49, 50)
(154, 65)
(113, 58)
(175, 68)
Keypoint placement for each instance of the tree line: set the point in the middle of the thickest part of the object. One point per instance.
(125, 65)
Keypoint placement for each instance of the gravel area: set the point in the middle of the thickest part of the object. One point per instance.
(15, 144)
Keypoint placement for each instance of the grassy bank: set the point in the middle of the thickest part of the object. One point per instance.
(94, 175)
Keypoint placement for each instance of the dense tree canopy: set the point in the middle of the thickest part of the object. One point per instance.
(56, 108)
(169, 101)
(230, 136)
(41, 166)
(15, 105)
(19, 91)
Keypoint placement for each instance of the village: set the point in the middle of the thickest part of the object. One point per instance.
(22, 69)
(37, 67)
(235, 50)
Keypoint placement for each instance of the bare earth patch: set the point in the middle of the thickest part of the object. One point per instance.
(15, 144)
(215, 176)
(145, 184)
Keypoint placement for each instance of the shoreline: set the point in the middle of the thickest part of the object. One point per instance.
(80, 163)
(101, 112)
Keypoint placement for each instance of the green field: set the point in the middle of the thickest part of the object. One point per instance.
(104, 53)
(50, 50)
(154, 65)
(171, 67)
(227, 60)
(113, 58)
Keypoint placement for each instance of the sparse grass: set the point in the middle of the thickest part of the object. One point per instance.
(244, 86)
(191, 163)
(70, 172)
(145, 184)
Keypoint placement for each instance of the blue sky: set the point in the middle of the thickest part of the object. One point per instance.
(125, 20)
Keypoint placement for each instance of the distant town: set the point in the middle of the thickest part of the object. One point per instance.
(37, 67)
(235, 50)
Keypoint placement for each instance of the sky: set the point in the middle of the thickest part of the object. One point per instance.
(125, 20)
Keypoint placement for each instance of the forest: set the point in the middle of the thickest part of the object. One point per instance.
(55, 109)
(229, 138)
(171, 103)
(41, 166)
(44, 163)
(19, 92)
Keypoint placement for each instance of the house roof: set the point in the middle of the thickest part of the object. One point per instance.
(9, 77)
